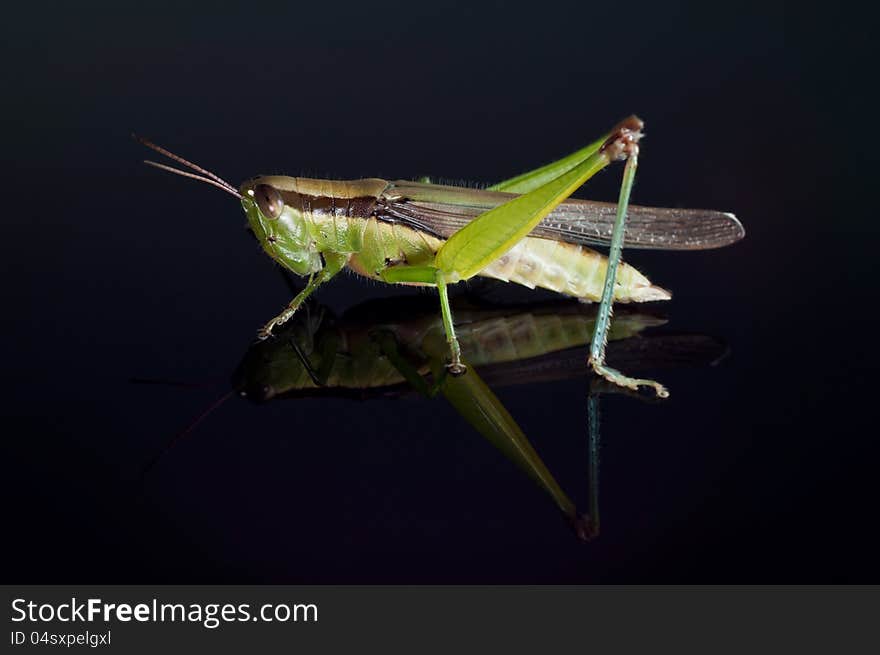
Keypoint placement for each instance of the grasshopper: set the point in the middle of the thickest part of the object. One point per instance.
(524, 230)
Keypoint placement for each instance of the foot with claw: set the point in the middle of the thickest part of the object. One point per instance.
(266, 331)
(456, 369)
(616, 377)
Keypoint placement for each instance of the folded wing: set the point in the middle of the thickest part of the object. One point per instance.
(443, 210)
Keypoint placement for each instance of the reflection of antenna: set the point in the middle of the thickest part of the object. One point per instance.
(169, 382)
(192, 425)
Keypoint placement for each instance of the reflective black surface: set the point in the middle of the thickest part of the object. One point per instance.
(759, 469)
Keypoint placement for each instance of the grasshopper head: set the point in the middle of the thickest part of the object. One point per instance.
(278, 223)
(280, 228)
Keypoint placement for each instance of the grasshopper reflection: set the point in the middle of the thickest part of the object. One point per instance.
(394, 348)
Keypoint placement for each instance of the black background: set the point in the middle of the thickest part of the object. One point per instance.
(758, 470)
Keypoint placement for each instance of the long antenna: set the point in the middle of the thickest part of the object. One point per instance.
(193, 176)
(206, 176)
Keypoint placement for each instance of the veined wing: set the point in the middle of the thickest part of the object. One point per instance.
(443, 210)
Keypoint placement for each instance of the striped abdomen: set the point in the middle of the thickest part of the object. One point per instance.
(572, 269)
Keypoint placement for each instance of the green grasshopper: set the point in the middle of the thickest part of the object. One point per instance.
(522, 230)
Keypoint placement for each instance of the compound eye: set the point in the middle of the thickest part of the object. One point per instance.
(268, 200)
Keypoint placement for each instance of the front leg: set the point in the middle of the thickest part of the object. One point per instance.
(333, 263)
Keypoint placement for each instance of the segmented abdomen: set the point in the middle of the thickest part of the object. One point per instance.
(571, 269)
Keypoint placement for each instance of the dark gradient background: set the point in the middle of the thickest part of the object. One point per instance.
(762, 469)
